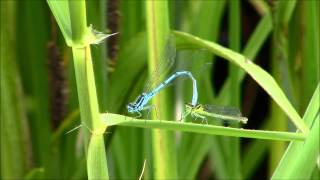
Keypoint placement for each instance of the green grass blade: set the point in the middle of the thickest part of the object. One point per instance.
(164, 153)
(115, 119)
(96, 161)
(316, 173)
(67, 124)
(233, 151)
(257, 38)
(198, 145)
(281, 13)
(89, 109)
(13, 116)
(87, 93)
(262, 77)
(96, 15)
(311, 46)
(299, 158)
(83, 34)
(117, 101)
(36, 173)
(211, 13)
(128, 162)
(61, 12)
(80, 172)
(34, 74)
(305, 156)
(133, 15)
(82, 60)
(313, 107)
(78, 21)
(63, 162)
(251, 49)
(260, 6)
(253, 157)
(260, 34)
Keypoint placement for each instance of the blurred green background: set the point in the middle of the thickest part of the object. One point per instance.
(39, 101)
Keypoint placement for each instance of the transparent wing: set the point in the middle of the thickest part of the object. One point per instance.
(223, 110)
(166, 61)
(225, 113)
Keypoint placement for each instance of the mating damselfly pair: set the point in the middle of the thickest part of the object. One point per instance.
(194, 109)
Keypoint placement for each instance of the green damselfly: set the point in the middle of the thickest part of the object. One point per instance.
(204, 112)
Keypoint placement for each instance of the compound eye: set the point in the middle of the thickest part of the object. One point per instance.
(129, 106)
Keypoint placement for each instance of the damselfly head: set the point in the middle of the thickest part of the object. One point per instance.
(197, 106)
(131, 107)
(136, 105)
(189, 105)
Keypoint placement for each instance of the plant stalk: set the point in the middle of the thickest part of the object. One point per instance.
(89, 109)
(164, 154)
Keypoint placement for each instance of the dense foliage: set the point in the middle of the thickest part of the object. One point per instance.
(60, 69)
